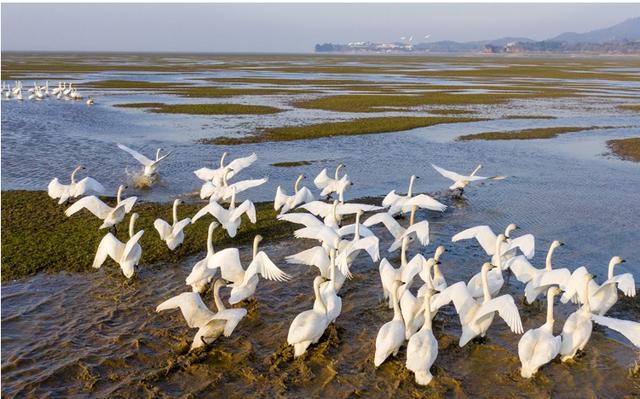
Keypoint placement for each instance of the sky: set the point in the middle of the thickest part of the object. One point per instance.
(287, 28)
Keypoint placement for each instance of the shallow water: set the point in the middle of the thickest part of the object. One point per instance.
(94, 334)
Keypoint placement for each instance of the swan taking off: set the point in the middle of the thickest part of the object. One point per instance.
(126, 255)
(330, 185)
(74, 189)
(225, 191)
(230, 218)
(539, 346)
(487, 239)
(215, 176)
(172, 234)
(110, 216)
(288, 202)
(462, 181)
(307, 327)
(150, 167)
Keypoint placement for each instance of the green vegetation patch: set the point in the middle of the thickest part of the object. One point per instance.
(291, 164)
(627, 149)
(529, 134)
(630, 107)
(204, 109)
(347, 128)
(38, 237)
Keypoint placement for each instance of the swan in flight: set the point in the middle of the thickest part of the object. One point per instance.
(74, 189)
(231, 217)
(578, 326)
(245, 282)
(215, 176)
(419, 231)
(110, 216)
(332, 213)
(602, 297)
(150, 166)
(126, 255)
(288, 202)
(330, 185)
(630, 329)
(495, 279)
(391, 335)
(422, 349)
(487, 239)
(210, 325)
(307, 327)
(224, 191)
(476, 316)
(172, 234)
(539, 280)
(460, 182)
(539, 346)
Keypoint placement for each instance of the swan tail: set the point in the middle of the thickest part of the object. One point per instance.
(423, 377)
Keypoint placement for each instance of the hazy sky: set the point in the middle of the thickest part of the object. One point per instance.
(285, 27)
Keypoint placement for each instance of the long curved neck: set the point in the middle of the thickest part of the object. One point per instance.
(410, 191)
(335, 211)
(412, 217)
(256, 242)
(586, 304)
(210, 240)
(403, 252)
(216, 298)
(550, 297)
(357, 232)
(233, 199)
(225, 176)
(485, 285)
(175, 211)
(224, 155)
(547, 264)
(321, 306)
(337, 174)
(476, 170)
(427, 312)
(118, 197)
(429, 265)
(610, 270)
(397, 314)
(295, 186)
(132, 223)
(157, 154)
(499, 254)
(73, 175)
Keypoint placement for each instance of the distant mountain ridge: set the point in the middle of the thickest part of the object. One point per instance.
(627, 30)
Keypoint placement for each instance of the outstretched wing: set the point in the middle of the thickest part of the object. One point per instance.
(193, 309)
(421, 230)
(559, 277)
(241, 163)
(485, 236)
(88, 184)
(425, 202)
(315, 256)
(57, 190)
(629, 329)
(526, 243)
(389, 222)
(461, 298)
(280, 199)
(351, 229)
(246, 207)
(390, 198)
(139, 157)
(522, 269)
(262, 265)
(449, 174)
(228, 260)
(303, 196)
(232, 316)
(321, 233)
(163, 228)
(506, 308)
(214, 209)
(347, 209)
(131, 244)
(128, 203)
(109, 246)
(181, 225)
(93, 204)
(247, 184)
(301, 218)
(318, 208)
(574, 286)
(625, 282)
(322, 180)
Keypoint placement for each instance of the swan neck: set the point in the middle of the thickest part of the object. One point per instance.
(397, 314)
(476, 170)
(410, 191)
(485, 284)
(586, 305)
(175, 212)
(548, 259)
(316, 290)
(233, 199)
(224, 155)
(427, 312)
(335, 211)
(256, 242)
(119, 195)
(412, 217)
(210, 240)
(295, 186)
(132, 223)
(157, 154)
(337, 174)
(610, 270)
(357, 232)
(216, 298)
(499, 253)
(73, 175)
(550, 297)
(403, 252)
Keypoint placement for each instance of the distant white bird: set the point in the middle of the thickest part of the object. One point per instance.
(231, 217)
(224, 192)
(288, 202)
(462, 181)
(336, 185)
(539, 346)
(391, 335)
(172, 234)
(215, 176)
(126, 255)
(476, 316)
(422, 349)
(150, 166)
(110, 216)
(307, 327)
(245, 282)
(630, 329)
(90, 101)
(487, 239)
(74, 189)
(210, 325)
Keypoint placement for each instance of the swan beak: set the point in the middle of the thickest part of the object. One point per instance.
(437, 262)
(622, 261)
(561, 243)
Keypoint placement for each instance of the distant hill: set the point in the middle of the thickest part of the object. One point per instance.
(627, 30)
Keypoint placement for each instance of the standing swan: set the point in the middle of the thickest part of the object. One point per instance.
(307, 327)
(495, 280)
(172, 234)
(539, 346)
(110, 216)
(215, 176)
(329, 292)
(577, 329)
(126, 255)
(230, 218)
(336, 185)
(391, 335)
(422, 349)
(74, 189)
(150, 166)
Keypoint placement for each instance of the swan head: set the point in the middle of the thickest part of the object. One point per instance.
(219, 283)
(177, 202)
(439, 251)
(556, 244)
(486, 266)
(553, 291)
(509, 229)
(502, 238)
(258, 238)
(616, 260)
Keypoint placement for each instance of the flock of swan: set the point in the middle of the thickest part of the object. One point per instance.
(336, 247)
(64, 91)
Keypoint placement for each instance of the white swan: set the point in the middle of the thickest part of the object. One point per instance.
(231, 217)
(150, 166)
(349, 250)
(210, 325)
(329, 291)
(393, 200)
(541, 279)
(126, 255)
(391, 335)
(476, 316)
(172, 234)
(422, 349)
(55, 189)
(336, 185)
(415, 230)
(410, 305)
(110, 216)
(495, 280)
(332, 213)
(438, 281)
(487, 239)
(245, 282)
(224, 191)
(234, 167)
(602, 297)
(578, 326)
(539, 346)
(460, 182)
(90, 101)
(630, 329)
(307, 327)
(285, 203)
(406, 271)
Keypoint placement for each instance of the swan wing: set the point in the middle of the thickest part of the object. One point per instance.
(214, 209)
(316, 256)
(163, 228)
(131, 244)
(139, 157)
(506, 308)
(522, 269)
(351, 229)
(303, 196)
(414, 267)
(264, 266)
(318, 208)
(390, 198)
(109, 246)
(526, 243)
(389, 222)
(93, 204)
(321, 233)
(559, 277)
(128, 203)
(322, 180)
(206, 174)
(425, 202)
(246, 207)
(461, 298)
(193, 309)
(57, 190)
(630, 329)
(157, 161)
(228, 260)
(178, 227)
(280, 199)
(89, 184)
(449, 174)
(574, 286)
(347, 209)
(233, 318)
(242, 163)
(485, 236)
(370, 245)
(625, 282)
(207, 190)
(421, 230)
(301, 218)
(247, 184)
